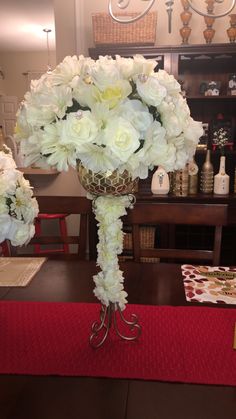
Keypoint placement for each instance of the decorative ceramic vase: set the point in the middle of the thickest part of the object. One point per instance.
(231, 31)
(179, 182)
(221, 180)
(209, 21)
(207, 175)
(185, 17)
(208, 35)
(108, 183)
(185, 32)
(192, 177)
(160, 182)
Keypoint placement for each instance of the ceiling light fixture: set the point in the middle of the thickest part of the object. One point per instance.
(49, 68)
(123, 4)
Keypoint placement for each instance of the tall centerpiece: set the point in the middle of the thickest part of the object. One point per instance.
(112, 120)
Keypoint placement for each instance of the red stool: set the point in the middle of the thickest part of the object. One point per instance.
(63, 231)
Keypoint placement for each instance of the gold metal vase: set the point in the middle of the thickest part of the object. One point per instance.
(106, 183)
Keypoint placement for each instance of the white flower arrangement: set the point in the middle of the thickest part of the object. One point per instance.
(221, 137)
(109, 114)
(18, 208)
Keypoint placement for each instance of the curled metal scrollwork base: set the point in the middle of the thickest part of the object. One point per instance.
(109, 318)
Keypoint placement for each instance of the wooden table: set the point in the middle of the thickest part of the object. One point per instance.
(52, 397)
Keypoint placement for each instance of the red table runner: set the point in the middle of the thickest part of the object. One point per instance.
(178, 344)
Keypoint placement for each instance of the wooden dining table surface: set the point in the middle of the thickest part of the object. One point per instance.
(49, 397)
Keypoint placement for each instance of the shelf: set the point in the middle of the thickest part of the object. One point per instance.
(37, 171)
(219, 97)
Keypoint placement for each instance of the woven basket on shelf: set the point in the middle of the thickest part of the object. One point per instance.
(107, 31)
(147, 238)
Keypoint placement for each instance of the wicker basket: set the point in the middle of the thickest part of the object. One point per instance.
(147, 239)
(106, 31)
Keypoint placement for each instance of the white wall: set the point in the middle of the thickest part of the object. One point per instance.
(74, 35)
(15, 63)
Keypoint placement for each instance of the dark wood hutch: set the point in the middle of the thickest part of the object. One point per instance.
(194, 64)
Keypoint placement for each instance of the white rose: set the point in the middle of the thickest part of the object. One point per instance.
(193, 131)
(169, 119)
(105, 73)
(114, 94)
(125, 66)
(137, 113)
(168, 80)
(143, 66)
(150, 90)
(121, 138)
(78, 129)
(182, 111)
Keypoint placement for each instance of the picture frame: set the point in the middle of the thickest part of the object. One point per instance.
(210, 88)
(232, 84)
(213, 88)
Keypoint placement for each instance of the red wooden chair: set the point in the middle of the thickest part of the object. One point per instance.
(63, 230)
(84, 239)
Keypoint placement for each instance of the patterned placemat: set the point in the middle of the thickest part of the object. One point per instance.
(214, 284)
(18, 271)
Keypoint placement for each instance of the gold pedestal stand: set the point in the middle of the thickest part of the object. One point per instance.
(109, 317)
